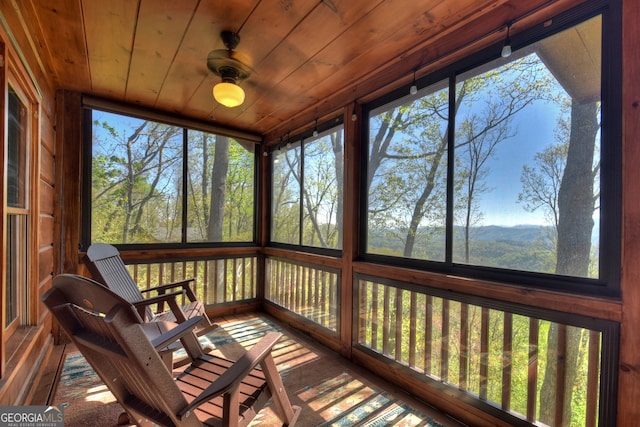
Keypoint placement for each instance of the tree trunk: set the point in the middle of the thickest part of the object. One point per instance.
(216, 213)
(575, 225)
(218, 186)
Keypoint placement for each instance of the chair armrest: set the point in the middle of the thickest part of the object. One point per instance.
(184, 284)
(159, 298)
(232, 377)
(170, 298)
(175, 333)
(164, 286)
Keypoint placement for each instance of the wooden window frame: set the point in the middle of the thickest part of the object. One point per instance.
(15, 75)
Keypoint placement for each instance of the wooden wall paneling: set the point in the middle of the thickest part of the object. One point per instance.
(45, 266)
(47, 131)
(46, 231)
(47, 198)
(47, 170)
(29, 351)
(68, 180)
(629, 368)
(44, 319)
(29, 345)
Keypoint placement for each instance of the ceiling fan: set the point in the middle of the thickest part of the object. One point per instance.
(232, 67)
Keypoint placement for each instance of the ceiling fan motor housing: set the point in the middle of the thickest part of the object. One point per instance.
(230, 65)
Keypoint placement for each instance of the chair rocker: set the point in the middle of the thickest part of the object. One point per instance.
(212, 391)
(112, 271)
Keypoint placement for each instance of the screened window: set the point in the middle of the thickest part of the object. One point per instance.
(527, 146)
(503, 174)
(307, 191)
(407, 176)
(220, 189)
(154, 183)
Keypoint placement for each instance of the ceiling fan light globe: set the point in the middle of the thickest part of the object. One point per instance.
(228, 94)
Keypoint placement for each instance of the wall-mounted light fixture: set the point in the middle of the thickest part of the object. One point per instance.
(414, 88)
(506, 48)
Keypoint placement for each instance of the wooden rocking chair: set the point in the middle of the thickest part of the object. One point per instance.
(114, 274)
(212, 391)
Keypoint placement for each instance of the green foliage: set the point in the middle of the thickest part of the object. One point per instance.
(417, 330)
(307, 204)
(137, 183)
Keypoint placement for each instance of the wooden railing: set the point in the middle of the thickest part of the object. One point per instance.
(534, 369)
(525, 365)
(306, 289)
(220, 280)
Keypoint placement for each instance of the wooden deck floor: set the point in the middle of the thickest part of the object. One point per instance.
(330, 389)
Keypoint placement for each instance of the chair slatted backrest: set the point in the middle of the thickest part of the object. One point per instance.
(113, 271)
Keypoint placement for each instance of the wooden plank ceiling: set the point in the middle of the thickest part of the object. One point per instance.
(310, 57)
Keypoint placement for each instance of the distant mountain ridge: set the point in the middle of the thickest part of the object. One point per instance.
(517, 233)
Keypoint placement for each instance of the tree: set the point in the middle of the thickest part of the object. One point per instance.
(310, 177)
(576, 204)
(136, 186)
(541, 183)
(285, 202)
(220, 168)
(479, 149)
(407, 174)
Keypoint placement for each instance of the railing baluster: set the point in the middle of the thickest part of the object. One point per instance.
(206, 283)
(234, 280)
(499, 352)
(148, 284)
(243, 278)
(444, 349)
(484, 352)
(507, 364)
(374, 317)
(428, 333)
(135, 273)
(532, 373)
(398, 326)
(464, 347)
(560, 374)
(593, 379)
(216, 284)
(385, 321)
(413, 307)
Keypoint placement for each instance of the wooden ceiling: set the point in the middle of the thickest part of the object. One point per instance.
(310, 57)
